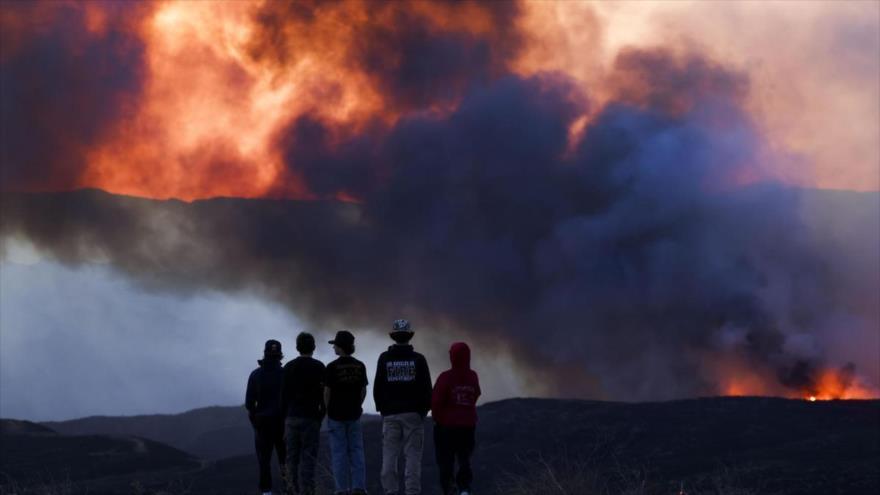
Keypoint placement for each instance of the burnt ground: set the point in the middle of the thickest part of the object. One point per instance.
(711, 445)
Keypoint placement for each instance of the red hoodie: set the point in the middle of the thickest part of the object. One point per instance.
(454, 401)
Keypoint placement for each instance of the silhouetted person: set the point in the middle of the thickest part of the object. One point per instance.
(402, 391)
(263, 403)
(302, 400)
(453, 406)
(345, 387)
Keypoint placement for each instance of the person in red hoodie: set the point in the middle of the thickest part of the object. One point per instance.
(454, 407)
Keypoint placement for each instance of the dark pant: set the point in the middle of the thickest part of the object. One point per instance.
(453, 443)
(301, 436)
(268, 436)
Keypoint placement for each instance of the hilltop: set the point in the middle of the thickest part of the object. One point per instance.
(749, 444)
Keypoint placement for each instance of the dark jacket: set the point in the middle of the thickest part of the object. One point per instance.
(346, 377)
(263, 397)
(302, 395)
(403, 382)
(454, 401)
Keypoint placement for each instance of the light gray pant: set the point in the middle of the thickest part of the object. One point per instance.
(402, 431)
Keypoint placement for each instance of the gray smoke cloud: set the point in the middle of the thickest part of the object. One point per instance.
(621, 267)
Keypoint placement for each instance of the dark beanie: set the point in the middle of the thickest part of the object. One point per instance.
(272, 349)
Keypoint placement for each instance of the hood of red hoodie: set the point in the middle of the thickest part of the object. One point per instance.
(460, 356)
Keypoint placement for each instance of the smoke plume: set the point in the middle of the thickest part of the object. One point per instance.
(617, 253)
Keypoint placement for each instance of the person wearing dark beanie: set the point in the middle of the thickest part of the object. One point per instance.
(263, 404)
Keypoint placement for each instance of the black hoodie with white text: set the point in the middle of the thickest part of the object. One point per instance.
(403, 382)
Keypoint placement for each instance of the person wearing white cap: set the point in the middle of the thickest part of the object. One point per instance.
(402, 391)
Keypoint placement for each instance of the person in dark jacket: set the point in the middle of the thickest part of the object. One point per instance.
(345, 388)
(263, 403)
(453, 405)
(402, 391)
(302, 400)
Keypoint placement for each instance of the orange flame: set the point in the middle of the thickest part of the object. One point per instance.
(736, 378)
(836, 384)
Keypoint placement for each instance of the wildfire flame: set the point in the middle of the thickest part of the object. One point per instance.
(839, 384)
(738, 380)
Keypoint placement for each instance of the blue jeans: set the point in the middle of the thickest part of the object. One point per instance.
(347, 455)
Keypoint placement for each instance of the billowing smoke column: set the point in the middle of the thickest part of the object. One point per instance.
(616, 254)
(68, 72)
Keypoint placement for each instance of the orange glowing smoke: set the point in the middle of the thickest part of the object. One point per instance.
(224, 78)
(210, 110)
(221, 86)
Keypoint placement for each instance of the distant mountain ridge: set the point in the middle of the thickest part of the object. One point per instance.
(196, 431)
(20, 427)
(32, 454)
(211, 433)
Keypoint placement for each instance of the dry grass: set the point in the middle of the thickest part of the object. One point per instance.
(540, 476)
(48, 486)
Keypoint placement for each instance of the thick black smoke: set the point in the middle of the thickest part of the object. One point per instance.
(628, 258)
(628, 249)
(621, 262)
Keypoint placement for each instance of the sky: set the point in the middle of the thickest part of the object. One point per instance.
(55, 364)
(608, 200)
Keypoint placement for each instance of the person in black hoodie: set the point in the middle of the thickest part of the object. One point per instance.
(302, 399)
(402, 391)
(263, 403)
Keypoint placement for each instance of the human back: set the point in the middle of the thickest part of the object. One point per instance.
(402, 391)
(403, 382)
(303, 403)
(263, 401)
(303, 394)
(454, 402)
(345, 377)
(263, 398)
(454, 407)
(345, 387)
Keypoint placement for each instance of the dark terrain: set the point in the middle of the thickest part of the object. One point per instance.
(753, 445)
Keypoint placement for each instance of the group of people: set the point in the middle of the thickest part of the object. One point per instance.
(286, 406)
